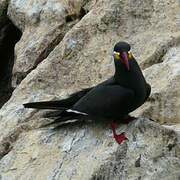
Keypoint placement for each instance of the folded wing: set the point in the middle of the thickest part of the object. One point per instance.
(108, 101)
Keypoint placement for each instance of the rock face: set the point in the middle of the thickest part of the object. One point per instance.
(44, 25)
(164, 103)
(87, 151)
(66, 46)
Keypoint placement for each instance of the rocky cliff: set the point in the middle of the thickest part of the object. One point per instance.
(66, 46)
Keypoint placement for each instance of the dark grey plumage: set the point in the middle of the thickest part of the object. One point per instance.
(113, 99)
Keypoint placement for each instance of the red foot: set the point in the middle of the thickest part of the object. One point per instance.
(118, 137)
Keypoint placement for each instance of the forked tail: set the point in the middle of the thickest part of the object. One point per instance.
(46, 105)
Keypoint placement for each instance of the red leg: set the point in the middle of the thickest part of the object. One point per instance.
(128, 119)
(118, 137)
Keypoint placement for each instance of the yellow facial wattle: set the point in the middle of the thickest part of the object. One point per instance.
(130, 55)
(117, 55)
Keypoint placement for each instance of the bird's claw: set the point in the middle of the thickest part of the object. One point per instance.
(120, 137)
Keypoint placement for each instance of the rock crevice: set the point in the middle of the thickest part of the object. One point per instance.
(9, 36)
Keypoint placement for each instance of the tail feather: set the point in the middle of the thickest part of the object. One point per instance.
(57, 120)
(62, 117)
(45, 105)
(61, 107)
(53, 114)
(60, 104)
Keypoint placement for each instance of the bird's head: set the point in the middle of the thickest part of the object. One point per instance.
(122, 53)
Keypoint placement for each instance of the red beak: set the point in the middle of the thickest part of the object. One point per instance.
(125, 60)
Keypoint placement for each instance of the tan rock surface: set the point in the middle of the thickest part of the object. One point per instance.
(44, 24)
(87, 151)
(164, 77)
(80, 59)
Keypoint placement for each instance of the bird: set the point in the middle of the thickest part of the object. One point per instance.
(112, 100)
